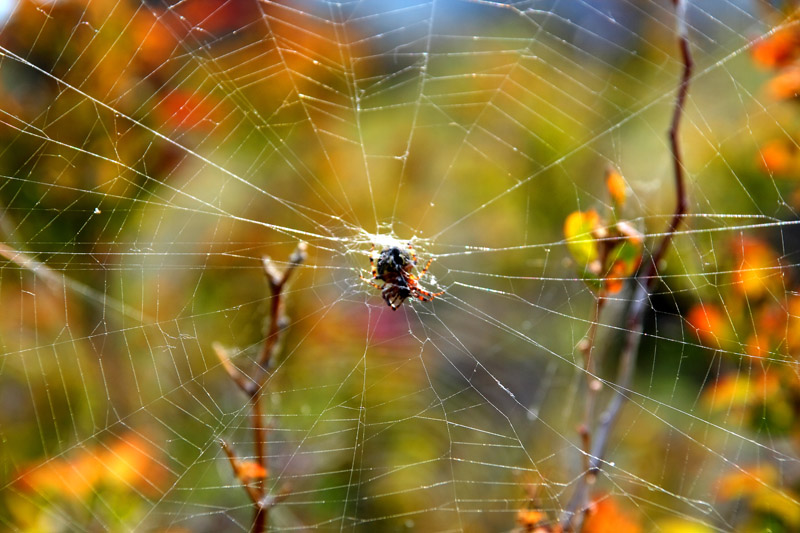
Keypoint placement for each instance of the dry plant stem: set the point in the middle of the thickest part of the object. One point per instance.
(253, 386)
(572, 517)
(592, 383)
(254, 496)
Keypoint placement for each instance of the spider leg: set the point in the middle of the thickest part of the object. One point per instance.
(424, 270)
(413, 253)
(397, 301)
(373, 268)
(426, 296)
(371, 282)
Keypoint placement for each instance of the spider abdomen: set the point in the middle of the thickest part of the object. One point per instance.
(394, 267)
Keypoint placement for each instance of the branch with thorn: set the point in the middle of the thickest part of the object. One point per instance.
(573, 515)
(254, 475)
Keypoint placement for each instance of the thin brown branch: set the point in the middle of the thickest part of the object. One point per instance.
(677, 157)
(243, 382)
(573, 515)
(254, 385)
(260, 433)
(277, 280)
(255, 497)
(593, 385)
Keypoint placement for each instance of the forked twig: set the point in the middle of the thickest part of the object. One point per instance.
(254, 476)
(572, 517)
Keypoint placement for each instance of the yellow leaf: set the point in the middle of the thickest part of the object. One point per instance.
(578, 230)
(780, 504)
(731, 391)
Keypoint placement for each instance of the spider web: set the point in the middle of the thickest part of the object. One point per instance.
(153, 152)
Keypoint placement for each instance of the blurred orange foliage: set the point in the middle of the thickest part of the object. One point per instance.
(777, 49)
(529, 519)
(190, 111)
(785, 84)
(746, 482)
(130, 462)
(734, 392)
(605, 516)
(759, 486)
(778, 157)
(709, 323)
(616, 186)
(757, 270)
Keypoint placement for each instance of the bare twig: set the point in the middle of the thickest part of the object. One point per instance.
(235, 466)
(253, 386)
(593, 385)
(245, 384)
(572, 517)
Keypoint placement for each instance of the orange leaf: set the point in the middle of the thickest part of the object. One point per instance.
(785, 85)
(248, 471)
(616, 186)
(709, 322)
(776, 157)
(757, 272)
(210, 18)
(605, 516)
(155, 41)
(528, 518)
(624, 257)
(778, 49)
(190, 111)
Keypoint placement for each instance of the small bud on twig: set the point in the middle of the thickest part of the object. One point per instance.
(274, 276)
(299, 255)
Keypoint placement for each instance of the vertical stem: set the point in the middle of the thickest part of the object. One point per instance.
(572, 517)
(260, 433)
(260, 519)
(592, 383)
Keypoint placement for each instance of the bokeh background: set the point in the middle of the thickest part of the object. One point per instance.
(152, 152)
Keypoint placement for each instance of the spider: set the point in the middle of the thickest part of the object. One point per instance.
(394, 268)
